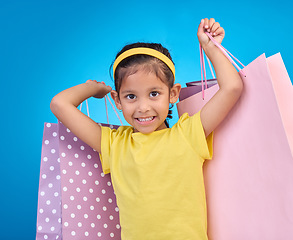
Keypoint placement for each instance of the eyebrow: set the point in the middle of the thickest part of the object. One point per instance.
(127, 91)
(150, 90)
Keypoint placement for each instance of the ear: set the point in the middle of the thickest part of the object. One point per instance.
(174, 93)
(116, 99)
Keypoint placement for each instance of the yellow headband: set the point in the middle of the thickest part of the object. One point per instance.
(146, 51)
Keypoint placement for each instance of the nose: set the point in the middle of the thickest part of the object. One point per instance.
(144, 106)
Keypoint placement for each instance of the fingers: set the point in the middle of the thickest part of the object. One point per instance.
(91, 81)
(95, 81)
(208, 23)
(213, 27)
(219, 32)
(108, 88)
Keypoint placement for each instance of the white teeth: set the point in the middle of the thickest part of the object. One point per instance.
(145, 119)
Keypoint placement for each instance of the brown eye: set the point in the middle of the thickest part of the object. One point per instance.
(154, 94)
(131, 96)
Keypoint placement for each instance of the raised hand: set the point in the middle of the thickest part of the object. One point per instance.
(102, 88)
(212, 27)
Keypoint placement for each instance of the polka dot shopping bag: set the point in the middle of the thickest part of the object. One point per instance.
(76, 199)
(49, 199)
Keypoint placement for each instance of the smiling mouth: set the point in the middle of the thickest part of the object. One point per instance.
(145, 120)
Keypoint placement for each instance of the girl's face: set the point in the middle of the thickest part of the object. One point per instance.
(144, 100)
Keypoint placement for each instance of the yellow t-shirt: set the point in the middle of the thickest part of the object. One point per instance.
(158, 179)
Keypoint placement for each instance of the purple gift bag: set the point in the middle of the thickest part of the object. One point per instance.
(89, 209)
(49, 199)
(76, 199)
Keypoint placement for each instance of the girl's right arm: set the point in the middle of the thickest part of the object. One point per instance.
(64, 106)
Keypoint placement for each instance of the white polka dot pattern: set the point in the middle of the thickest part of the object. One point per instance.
(49, 200)
(89, 209)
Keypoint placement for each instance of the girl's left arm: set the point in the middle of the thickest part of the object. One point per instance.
(230, 83)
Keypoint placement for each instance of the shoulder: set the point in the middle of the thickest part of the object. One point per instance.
(113, 131)
(186, 120)
(188, 126)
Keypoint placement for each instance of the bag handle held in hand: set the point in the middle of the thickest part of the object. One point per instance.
(225, 52)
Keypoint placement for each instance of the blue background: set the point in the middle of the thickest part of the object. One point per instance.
(48, 45)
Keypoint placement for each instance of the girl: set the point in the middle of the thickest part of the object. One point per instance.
(156, 170)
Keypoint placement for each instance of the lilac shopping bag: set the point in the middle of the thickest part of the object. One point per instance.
(193, 88)
(81, 197)
(49, 200)
(249, 182)
(89, 209)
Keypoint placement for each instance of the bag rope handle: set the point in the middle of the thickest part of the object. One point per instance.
(202, 69)
(87, 108)
(113, 109)
(106, 97)
(225, 52)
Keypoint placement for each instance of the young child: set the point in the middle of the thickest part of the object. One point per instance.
(156, 170)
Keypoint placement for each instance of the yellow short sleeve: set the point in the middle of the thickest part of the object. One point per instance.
(105, 149)
(193, 130)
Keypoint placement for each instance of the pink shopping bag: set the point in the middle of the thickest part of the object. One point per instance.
(249, 182)
(284, 93)
(83, 195)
